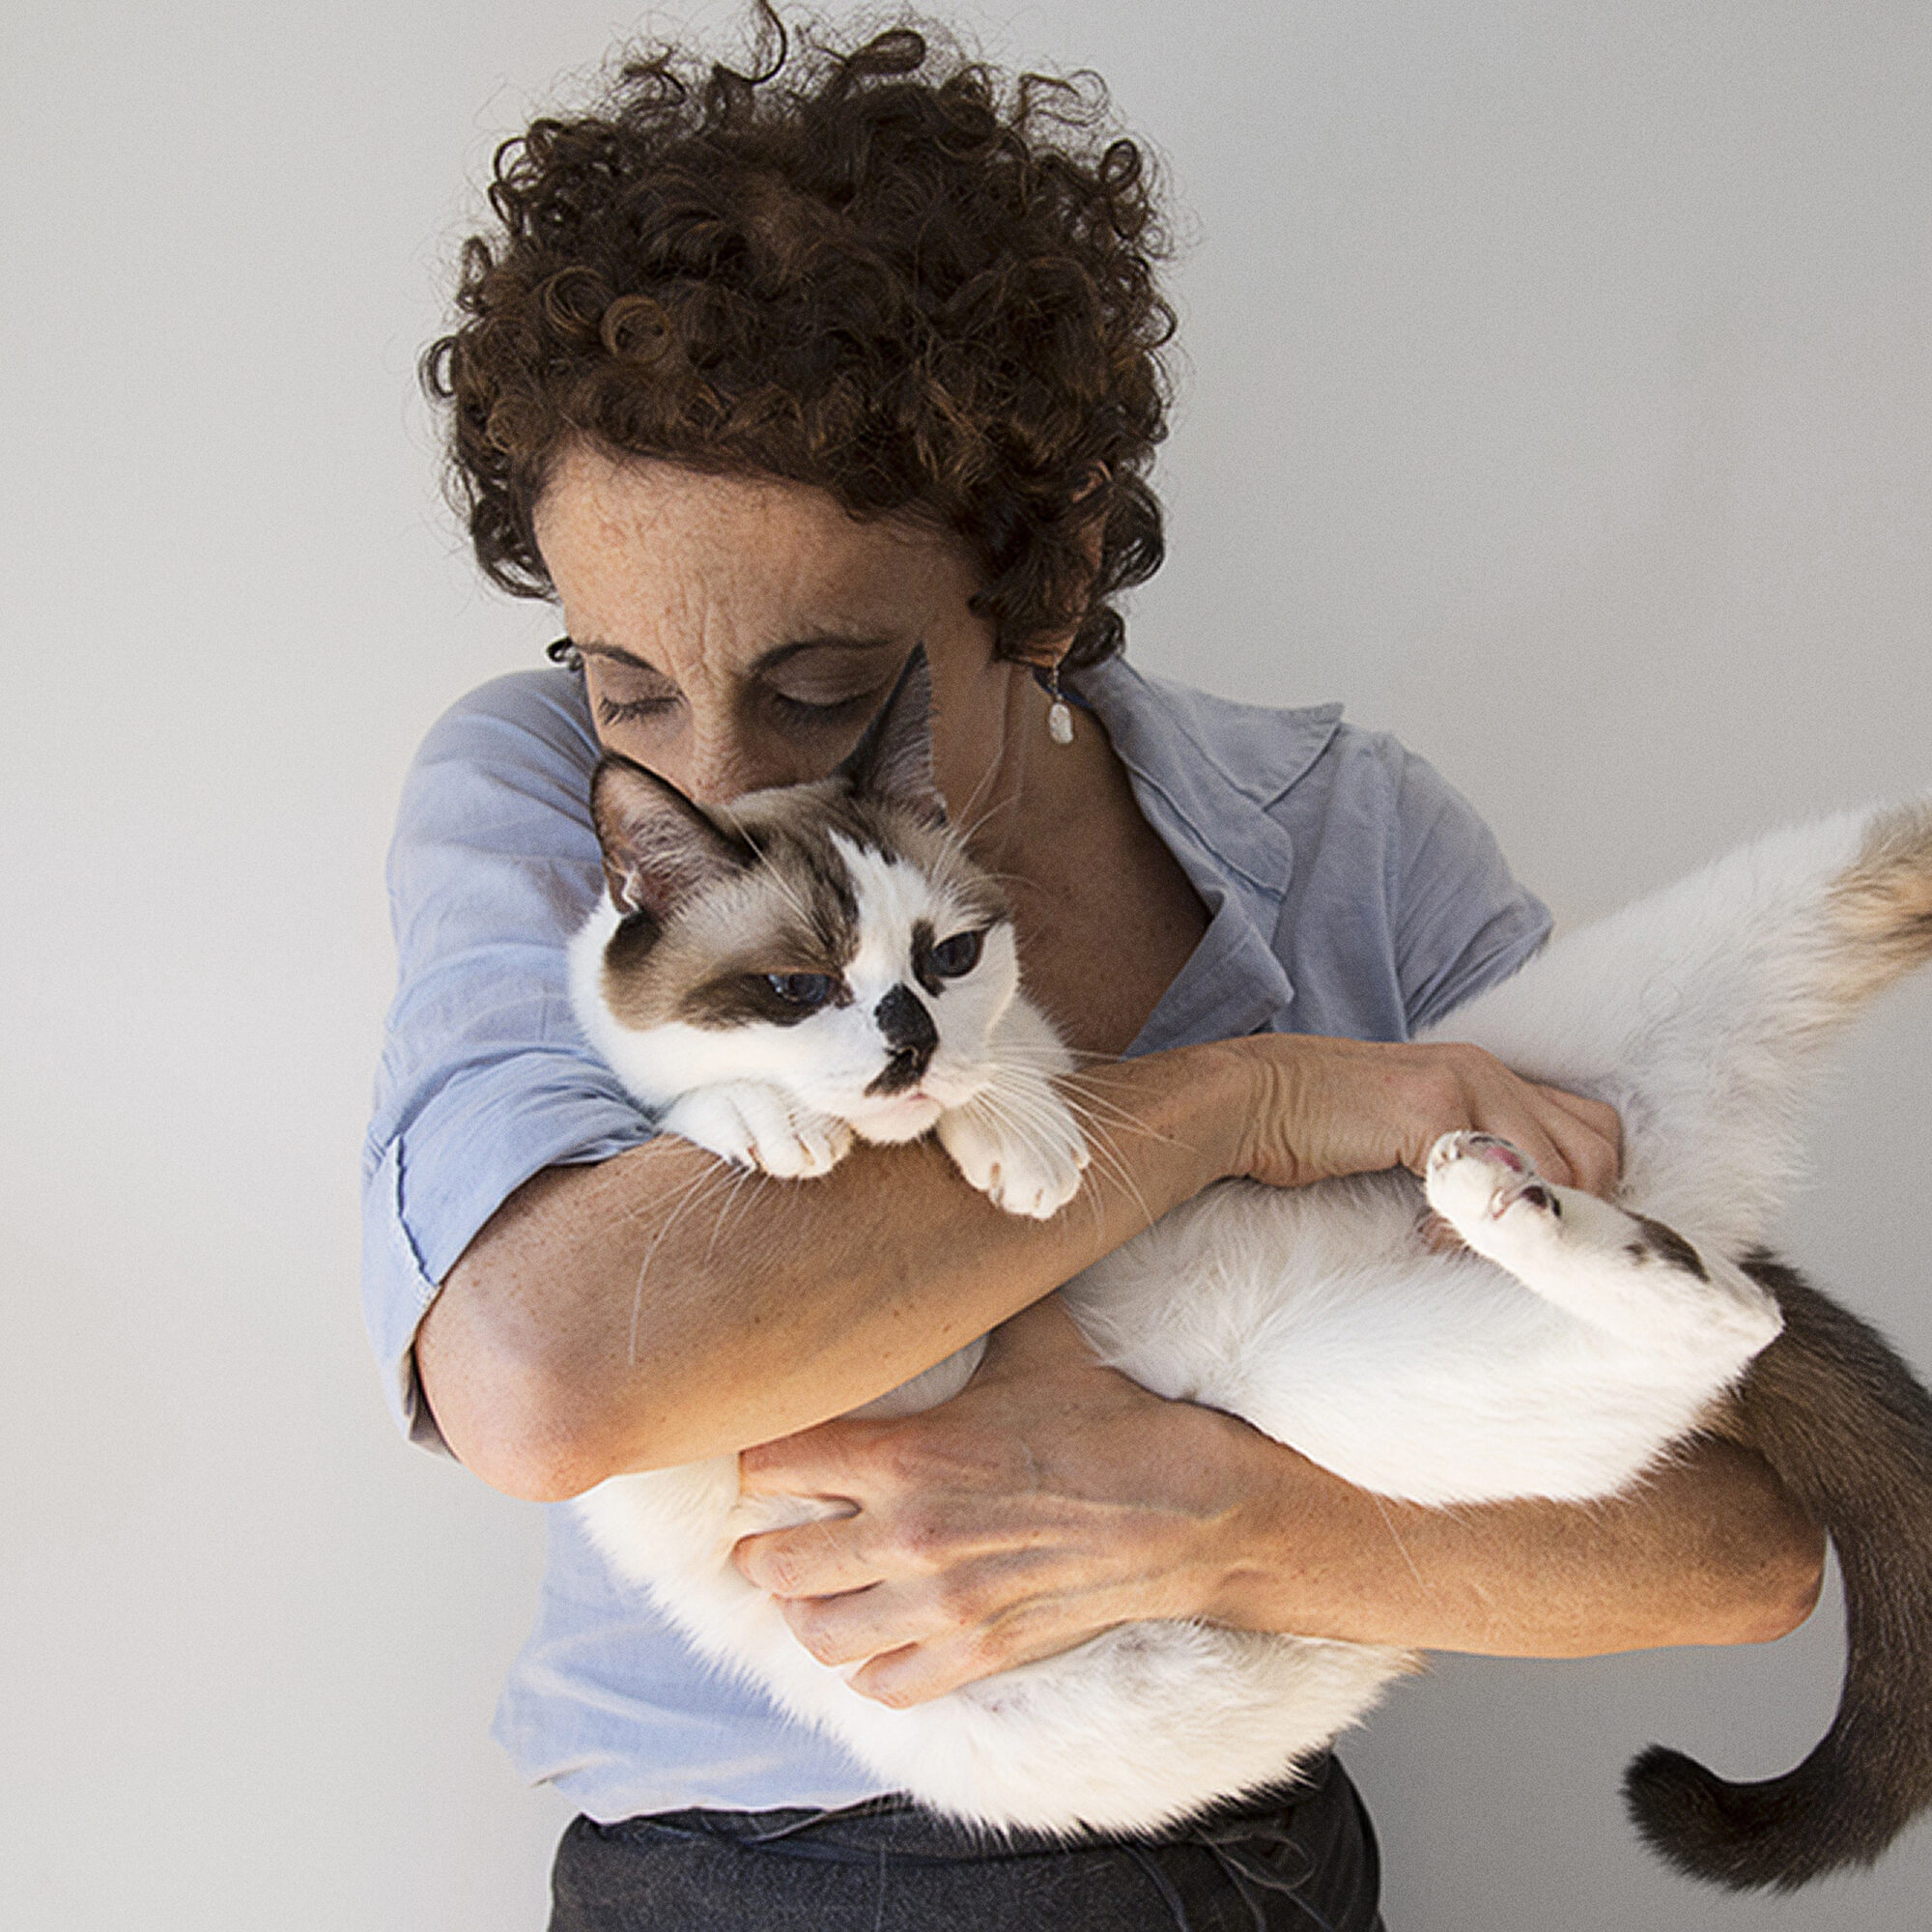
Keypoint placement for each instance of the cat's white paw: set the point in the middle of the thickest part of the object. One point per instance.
(1033, 1169)
(1476, 1183)
(755, 1126)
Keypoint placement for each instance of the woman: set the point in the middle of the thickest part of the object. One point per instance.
(769, 381)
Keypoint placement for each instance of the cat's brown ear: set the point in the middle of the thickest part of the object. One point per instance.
(659, 848)
(893, 762)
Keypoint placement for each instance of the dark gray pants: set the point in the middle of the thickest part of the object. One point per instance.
(1300, 1860)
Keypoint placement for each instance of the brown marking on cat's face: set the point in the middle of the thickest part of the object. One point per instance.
(830, 939)
(791, 911)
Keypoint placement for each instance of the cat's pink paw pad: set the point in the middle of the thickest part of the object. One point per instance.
(1474, 1180)
(1469, 1144)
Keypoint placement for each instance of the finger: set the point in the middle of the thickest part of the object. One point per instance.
(829, 1461)
(1599, 1115)
(1603, 1123)
(849, 1628)
(813, 1559)
(909, 1675)
(880, 1619)
(1507, 1114)
(1591, 1154)
(915, 1672)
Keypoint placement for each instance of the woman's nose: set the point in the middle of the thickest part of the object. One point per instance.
(724, 766)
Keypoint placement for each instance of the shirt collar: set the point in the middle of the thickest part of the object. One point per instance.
(1204, 771)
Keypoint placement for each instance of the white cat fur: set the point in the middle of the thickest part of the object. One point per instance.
(1546, 1362)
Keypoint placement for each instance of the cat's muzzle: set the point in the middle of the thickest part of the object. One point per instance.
(911, 1039)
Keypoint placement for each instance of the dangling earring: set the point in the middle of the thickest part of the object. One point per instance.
(1059, 714)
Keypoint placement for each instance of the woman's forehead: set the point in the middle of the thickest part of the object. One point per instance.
(649, 548)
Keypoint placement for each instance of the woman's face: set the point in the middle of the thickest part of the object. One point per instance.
(739, 633)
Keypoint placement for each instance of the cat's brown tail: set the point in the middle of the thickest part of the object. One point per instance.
(1849, 1431)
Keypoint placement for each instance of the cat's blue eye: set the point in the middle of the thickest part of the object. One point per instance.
(960, 954)
(801, 989)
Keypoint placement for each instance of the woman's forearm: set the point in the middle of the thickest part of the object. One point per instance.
(1055, 1498)
(661, 1307)
(1708, 1549)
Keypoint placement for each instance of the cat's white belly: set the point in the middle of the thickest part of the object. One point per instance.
(1318, 1317)
(1142, 1725)
(1572, 1346)
(1315, 1314)
(1139, 1726)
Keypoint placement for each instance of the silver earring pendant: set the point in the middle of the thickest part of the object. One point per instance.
(1058, 714)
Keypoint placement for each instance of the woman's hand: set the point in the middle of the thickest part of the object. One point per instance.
(1053, 1499)
(1049, 1500)
(1323, 1107)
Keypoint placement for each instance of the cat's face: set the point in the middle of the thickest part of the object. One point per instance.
(833, 939)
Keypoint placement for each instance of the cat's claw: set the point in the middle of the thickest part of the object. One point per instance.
(758, 1126)
(1036, 1176)
(1474, 1180)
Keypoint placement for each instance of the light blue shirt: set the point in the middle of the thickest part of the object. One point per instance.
(1351, 892)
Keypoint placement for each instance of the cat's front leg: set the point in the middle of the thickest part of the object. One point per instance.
(753, 1124)
(1018, 1143)
(1619, 1271)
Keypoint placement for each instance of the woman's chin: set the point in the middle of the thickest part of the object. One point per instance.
(889, 1122)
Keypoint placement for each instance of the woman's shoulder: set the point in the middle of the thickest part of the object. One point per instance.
(511, 758)
(1158, 724)
(1292, 761)
(1396, 900)
(535, 719)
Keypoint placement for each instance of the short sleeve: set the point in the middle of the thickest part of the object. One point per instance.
(1458, 918)
(484, 1078)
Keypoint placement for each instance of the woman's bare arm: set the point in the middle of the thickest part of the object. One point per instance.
(661, 1307)
(1055, 1498)
(658, 1308)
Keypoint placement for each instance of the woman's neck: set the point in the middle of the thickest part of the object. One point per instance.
(1105, 915)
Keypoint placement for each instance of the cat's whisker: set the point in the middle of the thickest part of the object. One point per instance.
(737, 1197)
(1395, 1537)
(1030, 1119)
(1085, 1107)
(786, 889)
(705, 1184)
(1106, 1162)
(971, 819)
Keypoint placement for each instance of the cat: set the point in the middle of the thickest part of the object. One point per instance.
(825, 961)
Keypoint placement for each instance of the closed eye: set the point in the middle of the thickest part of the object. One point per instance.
(953, 956)
(615, 712)
(830, 712)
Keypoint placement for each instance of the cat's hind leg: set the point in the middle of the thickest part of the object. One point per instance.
(1621, 1272)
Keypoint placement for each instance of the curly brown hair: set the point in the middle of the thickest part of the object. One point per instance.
(883, 269)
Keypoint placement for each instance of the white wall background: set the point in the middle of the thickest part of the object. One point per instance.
(1559, 394)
